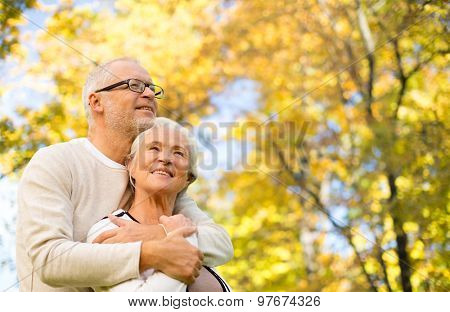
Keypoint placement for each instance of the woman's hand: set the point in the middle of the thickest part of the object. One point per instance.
(175, 222)
(129, 231)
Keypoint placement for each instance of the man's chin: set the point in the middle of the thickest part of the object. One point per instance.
(145, 123)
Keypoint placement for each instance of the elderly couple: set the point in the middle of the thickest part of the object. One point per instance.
(134, 169)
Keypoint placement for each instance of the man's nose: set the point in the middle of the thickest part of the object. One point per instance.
(148, 93)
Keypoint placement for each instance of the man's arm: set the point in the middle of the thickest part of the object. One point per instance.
(172, 255)
(157, 281)
(46, 215)
(213, 241)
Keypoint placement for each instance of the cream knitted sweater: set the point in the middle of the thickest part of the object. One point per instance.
(65, 189)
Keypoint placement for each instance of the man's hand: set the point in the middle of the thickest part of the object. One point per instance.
(175, 222)
(129, 231)
(174, 256)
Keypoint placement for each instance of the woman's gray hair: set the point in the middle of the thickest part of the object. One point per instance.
(167, 123)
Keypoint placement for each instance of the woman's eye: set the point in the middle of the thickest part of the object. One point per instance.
(179, 153)
(154, 148)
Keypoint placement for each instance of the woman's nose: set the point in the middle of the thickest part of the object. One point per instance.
(165, 158)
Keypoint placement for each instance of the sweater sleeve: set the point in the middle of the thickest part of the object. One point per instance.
(213, 240)
(155, 281)
(47, 215)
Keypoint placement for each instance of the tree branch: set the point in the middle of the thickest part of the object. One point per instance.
(401, 76)
(344, 230)
(383, 265)
(369, 45)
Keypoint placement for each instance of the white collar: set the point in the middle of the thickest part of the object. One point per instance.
(99, 155)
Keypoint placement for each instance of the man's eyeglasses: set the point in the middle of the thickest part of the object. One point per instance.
(138, 86)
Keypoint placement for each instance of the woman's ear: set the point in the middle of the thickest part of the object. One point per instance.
(190, 178)
(129, 166)
(129, 163)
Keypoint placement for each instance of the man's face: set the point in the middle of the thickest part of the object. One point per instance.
(126, 111)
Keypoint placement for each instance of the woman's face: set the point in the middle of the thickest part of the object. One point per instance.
(162, 162)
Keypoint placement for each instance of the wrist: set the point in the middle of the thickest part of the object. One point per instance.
(150, 255)
(164, 228)
(155, 232)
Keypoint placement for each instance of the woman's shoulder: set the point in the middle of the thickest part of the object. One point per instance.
(103, 225)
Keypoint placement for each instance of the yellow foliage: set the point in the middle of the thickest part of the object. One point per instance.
(410, 227)
(310, 62)
(417, 251)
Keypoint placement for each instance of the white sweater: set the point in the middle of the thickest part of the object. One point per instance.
(149, 280)
(64, 190)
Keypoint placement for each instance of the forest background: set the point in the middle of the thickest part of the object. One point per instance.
(323, 127)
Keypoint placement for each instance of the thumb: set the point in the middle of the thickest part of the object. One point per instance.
(163, 219)
(184, 231)
(117, 221)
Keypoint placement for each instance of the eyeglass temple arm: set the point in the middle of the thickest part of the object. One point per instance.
(113, 86)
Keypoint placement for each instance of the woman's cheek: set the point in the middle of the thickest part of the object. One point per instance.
(182, 164)
(150, 156)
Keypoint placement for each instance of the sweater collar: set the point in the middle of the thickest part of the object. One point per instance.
(99, 155)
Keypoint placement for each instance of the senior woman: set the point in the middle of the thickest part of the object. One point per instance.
(161, 164)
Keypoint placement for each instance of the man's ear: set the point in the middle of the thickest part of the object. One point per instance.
(95, 103)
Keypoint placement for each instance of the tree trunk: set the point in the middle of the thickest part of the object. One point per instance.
(401, 238)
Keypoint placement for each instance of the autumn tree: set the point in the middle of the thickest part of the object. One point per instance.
(369, 80)
(346, 185)
(10, 17)
(172, 45)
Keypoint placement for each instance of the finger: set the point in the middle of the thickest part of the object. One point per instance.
(185, 231)
(104, 236)
(200, 255)
(189, 222)
(178, 217)
(118, 221)
(190, 281)
(176, 232)
(195, 274)
(112, 240)
(163, 219)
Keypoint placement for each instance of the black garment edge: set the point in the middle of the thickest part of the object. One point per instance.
(218, 278)
(221, 281)
(122, 214)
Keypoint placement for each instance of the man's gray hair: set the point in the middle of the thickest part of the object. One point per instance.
(167, 123)
(98, 78)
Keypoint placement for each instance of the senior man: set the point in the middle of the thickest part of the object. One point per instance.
(68, 187)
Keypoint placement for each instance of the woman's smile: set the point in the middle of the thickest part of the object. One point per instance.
(162, 173)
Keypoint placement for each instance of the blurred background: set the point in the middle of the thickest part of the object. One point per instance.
(352, 195)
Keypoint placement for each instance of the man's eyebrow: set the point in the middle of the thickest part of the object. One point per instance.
(149, 80)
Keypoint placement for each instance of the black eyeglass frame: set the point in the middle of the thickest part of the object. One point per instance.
(151, 86)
